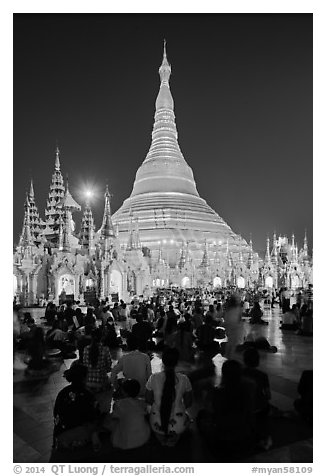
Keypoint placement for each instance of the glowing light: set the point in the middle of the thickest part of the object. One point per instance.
(89, 193)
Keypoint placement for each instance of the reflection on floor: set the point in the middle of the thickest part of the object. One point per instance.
(34, 399)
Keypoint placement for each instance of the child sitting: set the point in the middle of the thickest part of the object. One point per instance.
(129, 428)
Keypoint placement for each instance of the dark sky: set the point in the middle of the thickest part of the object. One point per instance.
(242, 86)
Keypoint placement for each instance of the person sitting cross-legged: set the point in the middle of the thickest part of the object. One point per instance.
(169, 393)
(289, 319)
(128, 425)
(75, 411)
(134, 365)
(142, 331)
(206, 337)
(227, 422)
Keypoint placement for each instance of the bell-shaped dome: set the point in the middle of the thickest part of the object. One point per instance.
(164, 198)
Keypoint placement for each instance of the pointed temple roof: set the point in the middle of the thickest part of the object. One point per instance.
(164, 196)
(68, 202)
(26, 238)
(107, 230)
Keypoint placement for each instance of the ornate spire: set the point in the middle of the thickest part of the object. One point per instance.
(66, 232)
(267, 255)
(31, 190)
(305, 242)
(274, 258)
(57, 159)
(205, 261)
(36, 224)
(160, 259)
(250, 255)
(164, 163)
(107, 230)
(165, 68)
(26, 238)
(182, 260)
(87, 229)
(60, 239)
(228, 255)
(56, 195)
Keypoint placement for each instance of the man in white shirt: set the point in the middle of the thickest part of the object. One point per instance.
(135, 365)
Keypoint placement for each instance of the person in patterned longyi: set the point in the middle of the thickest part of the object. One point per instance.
(98, 361)
(169, 393)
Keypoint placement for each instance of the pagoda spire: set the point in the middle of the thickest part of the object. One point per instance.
(31, 190)
(60, 238)
(268, 254)
(66, 232)
(26, 238)
(293, 248)
(57, 159)
(274, 259)
(87, 229)
(250, 255)
(228, 255)
(160, 259)
(36, 224)
(305, 243)
(182, 260)
(205, 261)
(107, 230)
(56, 194)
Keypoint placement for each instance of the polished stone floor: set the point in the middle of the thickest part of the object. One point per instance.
(34, 399)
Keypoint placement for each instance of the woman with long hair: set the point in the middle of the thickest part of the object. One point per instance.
(169, 393)
(97, 359)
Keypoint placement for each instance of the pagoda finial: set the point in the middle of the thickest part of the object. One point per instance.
(57, 158)
(267, 255)
(165, 68)
(31, 190)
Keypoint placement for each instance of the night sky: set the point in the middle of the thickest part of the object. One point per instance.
(242, 86)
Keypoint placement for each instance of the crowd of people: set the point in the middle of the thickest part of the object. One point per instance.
(186, 327)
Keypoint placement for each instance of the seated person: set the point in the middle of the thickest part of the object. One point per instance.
(134, 365)
(213, 313)
(256, 314)
(206, 337)
(110, 336)
(169, 393)
(262, 395)
(75, 411)
(128, 425)
(227, 423)
(142, 331)
(289, 319)
(182, 341)
(259, 343)
(306, 321)
(304, 404)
